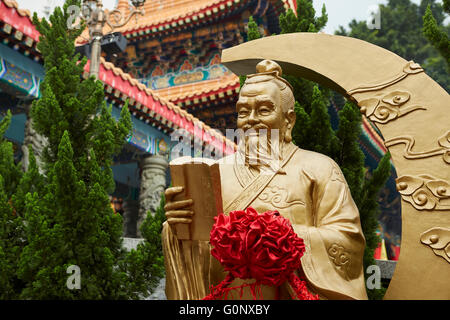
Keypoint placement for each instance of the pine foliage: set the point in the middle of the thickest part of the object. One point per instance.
(10, 172)
(437, 35)
(63, 218)
(252, 34)
(11, 227)
(290, 23)
(145, 265)
(68, 217)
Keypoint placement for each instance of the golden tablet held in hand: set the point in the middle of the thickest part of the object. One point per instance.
(268, 172)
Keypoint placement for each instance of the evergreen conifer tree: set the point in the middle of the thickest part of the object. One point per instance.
(10, 171)
(252, 30)
(145, 264)
(68, 219)
(11, 228)
(14, 186)
(252, 34)
(7, 254)
(61, 218)
(436, 35)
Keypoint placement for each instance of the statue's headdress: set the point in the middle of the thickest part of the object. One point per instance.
(267, 70)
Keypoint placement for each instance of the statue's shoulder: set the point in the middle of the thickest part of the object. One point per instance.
(315, 164)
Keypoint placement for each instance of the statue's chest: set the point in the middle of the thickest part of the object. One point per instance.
(290, 197)
(289, 194)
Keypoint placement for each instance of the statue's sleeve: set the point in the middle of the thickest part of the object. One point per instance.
(333, 259)
(189, 267)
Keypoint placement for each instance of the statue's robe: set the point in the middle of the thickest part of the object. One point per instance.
(312, 193)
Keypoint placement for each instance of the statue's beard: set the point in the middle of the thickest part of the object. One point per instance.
(261, 149)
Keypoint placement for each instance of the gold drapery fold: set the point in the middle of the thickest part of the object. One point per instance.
(190, 268)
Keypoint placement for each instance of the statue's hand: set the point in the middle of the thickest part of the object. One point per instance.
(177, 211)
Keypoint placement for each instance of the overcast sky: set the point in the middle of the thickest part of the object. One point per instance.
(340, 12)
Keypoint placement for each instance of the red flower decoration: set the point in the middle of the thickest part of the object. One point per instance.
(259, 246)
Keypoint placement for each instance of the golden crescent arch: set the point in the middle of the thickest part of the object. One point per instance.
(412, 112)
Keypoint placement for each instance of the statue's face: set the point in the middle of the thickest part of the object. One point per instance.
(259, 107)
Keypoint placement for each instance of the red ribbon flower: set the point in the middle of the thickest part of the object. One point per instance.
(257, 246)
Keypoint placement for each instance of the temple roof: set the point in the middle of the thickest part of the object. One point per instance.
(19, 18)
(172, 15)
(144, 103)
(191, 93)
(163, 12)
(148, 105)
(373, 136)
(159, 12)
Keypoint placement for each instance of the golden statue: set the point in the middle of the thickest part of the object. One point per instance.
(305, 187)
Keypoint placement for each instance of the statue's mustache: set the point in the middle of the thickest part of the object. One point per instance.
(255, 127)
